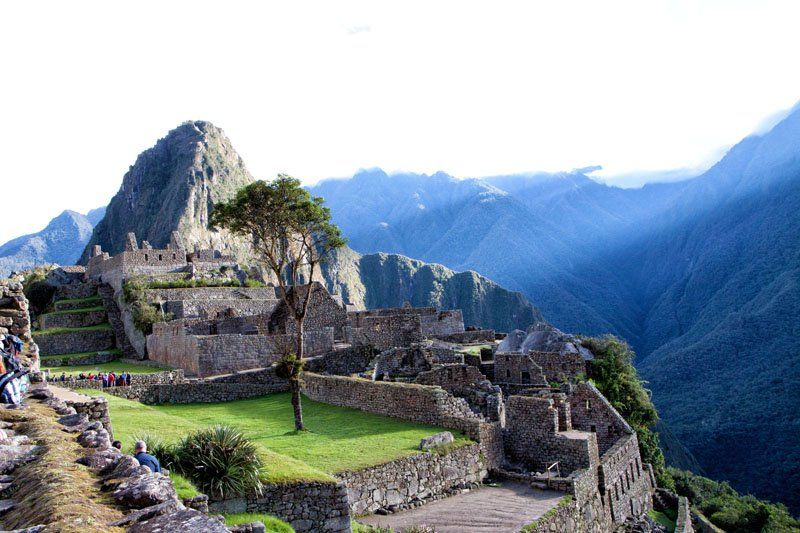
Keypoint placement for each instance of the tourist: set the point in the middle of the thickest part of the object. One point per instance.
(63, 377)
(128, 380)
(81, 376)
(117, 444)
(144, 458)
(105, 380)
(90, 377)
(111, 379)
(122, 381)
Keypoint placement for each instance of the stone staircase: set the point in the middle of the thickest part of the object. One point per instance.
(77, 331)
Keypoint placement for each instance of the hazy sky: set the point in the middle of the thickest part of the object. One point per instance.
(323, 89)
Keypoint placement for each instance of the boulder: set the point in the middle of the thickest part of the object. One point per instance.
(185, 520)
(445, 437)
(95, 439)
(140, 515)
(12, 456)
(144, 491)
(101, 461)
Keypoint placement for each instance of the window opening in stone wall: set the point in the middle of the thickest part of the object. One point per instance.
(145, 257)
(159, 257)
(616, 491)
(588, 405)
(610, 429)
(508, 373)
(174, 256)
(593, 428)
(526, 377)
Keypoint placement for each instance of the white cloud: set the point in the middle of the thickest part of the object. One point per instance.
(322, 89)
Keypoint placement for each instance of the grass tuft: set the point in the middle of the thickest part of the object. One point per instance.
(272, 524)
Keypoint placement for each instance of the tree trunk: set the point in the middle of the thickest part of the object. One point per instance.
(294, 386)
(294, 381)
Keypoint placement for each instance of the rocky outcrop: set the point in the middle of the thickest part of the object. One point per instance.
(542, 337)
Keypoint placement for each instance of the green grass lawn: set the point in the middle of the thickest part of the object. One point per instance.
(78, 310)
(112, 366)
(58, 331)
(337, 439)
(272, 524)
(474, 349)
(91, 301)
(666, 520)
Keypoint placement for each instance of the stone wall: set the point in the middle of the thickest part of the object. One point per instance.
(307, 506)
(384, 332)
(442, 323)
(465, 381)
(75, 342)
(76, 290)
(624, 481)
(468, 337)
(518, 369)
(96, 409)
(557, 366)
(683, 524)
(592, 412)
(344, 362)
(214, 307)
(533, 437)
(417, 403)
(324, 311)
(139, 382)
(396, 484)
(208, 355)
(91, 359)
(72, 319)
(203, 392)
(201, 294)
(15, 318)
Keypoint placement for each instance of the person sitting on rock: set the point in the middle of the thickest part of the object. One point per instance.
(63, 377)
(117, 444)
(145, 458)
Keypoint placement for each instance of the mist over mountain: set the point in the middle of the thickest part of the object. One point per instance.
(701, 276)
(61, 241)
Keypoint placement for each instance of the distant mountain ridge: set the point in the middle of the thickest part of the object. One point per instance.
(61, 242)
(700, 276)
(174, 185)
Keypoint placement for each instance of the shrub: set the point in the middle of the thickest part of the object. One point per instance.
(288, 366)
(145, 315)
(220, 461)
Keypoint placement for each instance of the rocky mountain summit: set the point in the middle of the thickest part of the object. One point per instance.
(173, 186)
(60, 242)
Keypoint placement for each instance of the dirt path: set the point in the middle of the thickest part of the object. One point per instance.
(490, 509)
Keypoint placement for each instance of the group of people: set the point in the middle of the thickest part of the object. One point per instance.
(109, 379)
(141, 455)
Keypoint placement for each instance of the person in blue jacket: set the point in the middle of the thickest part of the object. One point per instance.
(145, 458)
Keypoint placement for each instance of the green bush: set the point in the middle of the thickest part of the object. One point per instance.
(288, 366)
(145, 315)
(220, 461)
(613, 373)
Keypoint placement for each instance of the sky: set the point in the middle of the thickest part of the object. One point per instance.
(647, 90)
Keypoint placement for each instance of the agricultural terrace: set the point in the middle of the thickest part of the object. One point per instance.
(337, 438)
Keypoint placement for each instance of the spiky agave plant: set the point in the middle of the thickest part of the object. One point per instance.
(220, 461)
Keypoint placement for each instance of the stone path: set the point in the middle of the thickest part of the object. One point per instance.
(67, 395)
(489, 509)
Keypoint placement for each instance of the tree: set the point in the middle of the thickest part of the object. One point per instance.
(291, 233)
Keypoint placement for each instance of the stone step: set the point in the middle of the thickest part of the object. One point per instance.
(74, 318)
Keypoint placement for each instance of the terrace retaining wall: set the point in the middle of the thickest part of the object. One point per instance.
(307, 506)
(396, 484)
(75, 342)
(72, 319)
(90, 359)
